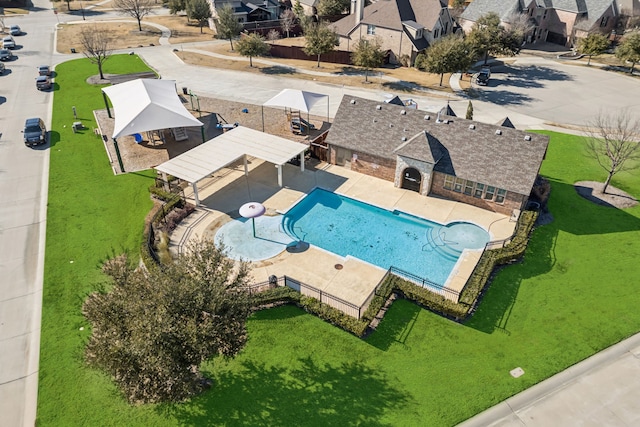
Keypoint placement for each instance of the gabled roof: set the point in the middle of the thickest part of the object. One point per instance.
(448, 111)
(506, 122)
(459, 147)
(392, 13)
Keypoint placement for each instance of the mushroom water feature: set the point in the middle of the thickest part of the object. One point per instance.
(252, 210)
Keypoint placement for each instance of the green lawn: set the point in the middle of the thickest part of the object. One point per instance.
(573, 295)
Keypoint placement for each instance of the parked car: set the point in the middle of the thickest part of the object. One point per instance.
(15, 30)
(44, 70)
(5, 55)
(35, 132)
(8, 43)
(2, 68)
(43, 82)
(483, 76)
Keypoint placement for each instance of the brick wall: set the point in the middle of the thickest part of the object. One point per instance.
(374, 166)
(512, 200)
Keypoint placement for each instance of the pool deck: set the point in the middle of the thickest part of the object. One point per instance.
(222, 195)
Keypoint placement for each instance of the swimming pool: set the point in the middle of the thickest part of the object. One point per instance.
(346, 226)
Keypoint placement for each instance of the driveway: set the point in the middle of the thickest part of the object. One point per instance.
(556, 91)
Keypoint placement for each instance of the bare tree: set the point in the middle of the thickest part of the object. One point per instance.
(96, 43)
(520, 25)
(288, 20)
(137, 9)
(613, 142)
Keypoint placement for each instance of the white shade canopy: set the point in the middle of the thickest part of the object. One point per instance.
(147, 104)
(252, 210)
(295, 99)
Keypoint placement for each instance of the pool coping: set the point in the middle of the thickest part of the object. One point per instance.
(231, 188)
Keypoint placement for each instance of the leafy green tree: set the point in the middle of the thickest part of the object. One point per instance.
(227, 25)
(489, 37)
(629, 50)
(199, 11)
(319, 39)
(613, 142)
(176, 6)
(593, 45)
(298, 9)
(448, 55)
(154, 327)
(367, 54)
(252, 45)
(469, 115)
(333, 7)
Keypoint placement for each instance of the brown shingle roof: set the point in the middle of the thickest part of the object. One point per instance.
(391, 13)
(463, 148)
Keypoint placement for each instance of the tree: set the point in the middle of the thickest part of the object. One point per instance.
(253, 45)
(593, 45)
(137, 9)
(613, 142)
(199, 10)
(176, 6)
(367, 54)
(519, 26)
(448, 55)
(298, 9)
(469, 115)
(489, 37)
(333, 7)
(629, 50)
(155, 327)
(456, 8)
(227, 24)
(319, 39)
(96, 43)
(288, 20)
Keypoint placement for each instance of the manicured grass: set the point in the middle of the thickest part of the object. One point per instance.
(573, 295)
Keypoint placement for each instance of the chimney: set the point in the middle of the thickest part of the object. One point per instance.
(358, 5)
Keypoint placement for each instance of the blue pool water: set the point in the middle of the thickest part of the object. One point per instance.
(346, 226)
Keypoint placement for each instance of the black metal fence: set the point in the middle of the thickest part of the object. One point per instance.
(313, 292)
(434, 287)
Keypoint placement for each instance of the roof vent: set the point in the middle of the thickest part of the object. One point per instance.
(375, 121)
(498, 132)
(446, 121)
(404, 138)
(427, 117)
(472, 127)
(390, 125)
(353, 101)
(378, 107)
(403, 112)
(527, 137)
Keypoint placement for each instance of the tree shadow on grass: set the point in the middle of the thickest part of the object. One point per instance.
(396, 326)
(298, 392)
(277, 70)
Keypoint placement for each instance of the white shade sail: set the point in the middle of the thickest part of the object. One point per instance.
(295, 99)
(147, 104)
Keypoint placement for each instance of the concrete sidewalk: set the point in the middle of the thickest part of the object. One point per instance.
(603, 390)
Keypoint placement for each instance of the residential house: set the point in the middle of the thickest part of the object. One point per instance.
(555, 21)
(403, 27)
(484, 165)
(248, 11)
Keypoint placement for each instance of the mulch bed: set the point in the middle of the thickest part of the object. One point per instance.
(614, 197)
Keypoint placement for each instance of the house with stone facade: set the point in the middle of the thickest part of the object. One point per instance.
(554, 21)
(484, 165)
(404, 28)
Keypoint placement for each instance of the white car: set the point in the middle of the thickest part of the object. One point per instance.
(15, 30)
(8, 43)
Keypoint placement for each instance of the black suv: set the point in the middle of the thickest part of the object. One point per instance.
(35, 132)
(483, 76)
